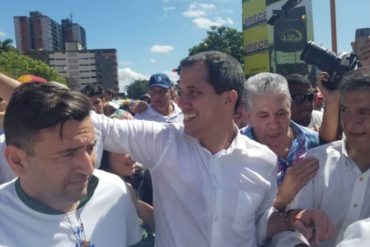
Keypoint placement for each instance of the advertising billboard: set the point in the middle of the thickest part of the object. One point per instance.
(276, 43)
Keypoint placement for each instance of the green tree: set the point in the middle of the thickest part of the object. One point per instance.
(137, 88)
(225, 39)
(15, 65)
(6, 45)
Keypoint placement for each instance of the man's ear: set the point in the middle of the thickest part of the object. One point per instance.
(231, 97)
(17, 159)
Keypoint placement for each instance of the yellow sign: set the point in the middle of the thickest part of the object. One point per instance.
(256, 45)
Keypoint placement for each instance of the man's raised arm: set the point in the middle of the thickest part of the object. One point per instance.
(7, 86)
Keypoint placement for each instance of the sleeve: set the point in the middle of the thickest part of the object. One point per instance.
(143, 140)
(305, 198)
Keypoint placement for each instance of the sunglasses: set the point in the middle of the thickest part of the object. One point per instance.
(301, 98)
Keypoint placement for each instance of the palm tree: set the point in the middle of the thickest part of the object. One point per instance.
(6, 45)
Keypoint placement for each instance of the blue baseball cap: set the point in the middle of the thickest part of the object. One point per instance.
(160, 80)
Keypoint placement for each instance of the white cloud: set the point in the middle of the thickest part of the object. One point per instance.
(2, 34)
(226, 21)
(206, 23)
(169, 8)
(205, 6)
(198, 10)
(161, 49)
(127, 76)
(194, 13)
(203, 16)
(152, 60)
(125, 63)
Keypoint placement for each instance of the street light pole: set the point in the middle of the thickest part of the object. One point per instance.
(333, 26)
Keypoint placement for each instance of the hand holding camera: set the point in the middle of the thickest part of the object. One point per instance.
(361, 46)
(328, 61)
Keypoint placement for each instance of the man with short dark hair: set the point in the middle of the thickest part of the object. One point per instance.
(342, 184)
(59, 199)
(95, 92)
(161, 108)
(212, 185)
(302, 94)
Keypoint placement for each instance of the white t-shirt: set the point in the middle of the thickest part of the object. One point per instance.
(109, 218)
(200, 198)
(339, 188)
(151, 114)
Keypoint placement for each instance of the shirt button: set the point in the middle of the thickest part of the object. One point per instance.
(355, 205)
(361, 179)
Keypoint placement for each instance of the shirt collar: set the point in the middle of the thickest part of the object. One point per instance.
(40, 207)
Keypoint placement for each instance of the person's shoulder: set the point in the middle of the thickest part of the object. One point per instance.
(253, 148)
(143, 115)
(110, 181)
(149, 114)
(7, 188)
(330, 148)
(305, 130)
(311, 135)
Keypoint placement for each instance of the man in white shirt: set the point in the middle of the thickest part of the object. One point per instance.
(342, 185)
(212, 185)
(161, 108)
(59, 199)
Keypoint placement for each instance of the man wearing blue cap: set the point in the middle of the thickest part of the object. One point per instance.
(162, 108)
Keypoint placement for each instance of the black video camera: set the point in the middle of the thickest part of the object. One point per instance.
(328, 61)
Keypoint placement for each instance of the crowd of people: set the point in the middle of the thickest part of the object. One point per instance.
(225, 161)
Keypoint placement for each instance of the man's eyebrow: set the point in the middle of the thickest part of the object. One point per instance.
(76, 148)
(67, 150)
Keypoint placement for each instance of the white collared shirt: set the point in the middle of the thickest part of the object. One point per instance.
(200, 198)
(339, 188)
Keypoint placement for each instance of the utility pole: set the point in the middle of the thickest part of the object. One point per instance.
(333, 22)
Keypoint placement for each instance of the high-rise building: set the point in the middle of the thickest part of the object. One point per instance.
(106, 67)
(73, 32)
(81, 67)
(37, 32)
(63, 47)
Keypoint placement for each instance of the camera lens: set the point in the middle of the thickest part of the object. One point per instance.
(323, 58)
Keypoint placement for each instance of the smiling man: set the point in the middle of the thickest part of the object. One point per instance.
(212, 186)
(342, 185)
(59, 199)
